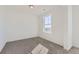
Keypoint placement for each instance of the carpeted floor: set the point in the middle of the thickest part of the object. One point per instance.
(27, 45)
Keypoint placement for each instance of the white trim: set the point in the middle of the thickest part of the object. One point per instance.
(50, 31)
(68, 39)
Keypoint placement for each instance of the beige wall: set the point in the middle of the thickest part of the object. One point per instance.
(20, 25)
(21, 22)
(68, 29)
(2, 28)
(59, 23)
(75, 26)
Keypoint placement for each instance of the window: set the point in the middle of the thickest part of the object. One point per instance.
(47, 24)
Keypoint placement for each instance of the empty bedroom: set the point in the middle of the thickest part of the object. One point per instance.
(36, 29)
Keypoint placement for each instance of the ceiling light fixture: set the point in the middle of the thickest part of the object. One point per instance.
(31, 6)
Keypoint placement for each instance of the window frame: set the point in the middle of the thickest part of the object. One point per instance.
(49, 25)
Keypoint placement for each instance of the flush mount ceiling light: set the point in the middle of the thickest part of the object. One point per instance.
(31, 6)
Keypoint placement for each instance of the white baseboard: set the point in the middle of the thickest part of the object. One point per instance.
(51, 41)
(76, 45)
(21, 38)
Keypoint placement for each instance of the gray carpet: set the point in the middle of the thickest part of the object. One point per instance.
(27, 45)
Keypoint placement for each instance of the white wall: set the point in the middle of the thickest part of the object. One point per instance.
(2, 28)
(75, 25)
(20, 25)
(68, 30)
(59, 19)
